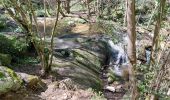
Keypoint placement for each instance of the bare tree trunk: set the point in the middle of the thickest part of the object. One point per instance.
(131, 49)
(44, 18)
(52, 35)
(109, 4)
(125, 16)
(98, 7)
(88, 8)
(68, 6)
(155, 41)
(60, 8)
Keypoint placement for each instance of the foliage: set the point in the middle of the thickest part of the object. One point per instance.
(12, 45)
(2, 21)
(23, 12)
(109, 28)
(40, 13)
(5, 59)
(97, 96)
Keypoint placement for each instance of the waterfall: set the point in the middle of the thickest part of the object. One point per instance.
(118, 58)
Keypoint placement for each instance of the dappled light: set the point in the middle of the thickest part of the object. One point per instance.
(84, 50)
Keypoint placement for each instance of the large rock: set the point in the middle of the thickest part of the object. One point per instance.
(79, 60)
(80, 65)
(31, 81)
(8, 80)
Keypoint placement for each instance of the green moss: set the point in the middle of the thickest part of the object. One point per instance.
(2, 75)
(5, 59)
(33, 78)
(14, 75)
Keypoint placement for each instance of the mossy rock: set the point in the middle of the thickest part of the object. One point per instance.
(9, 80)
(5, 59)
(83, 68)
(31, 81)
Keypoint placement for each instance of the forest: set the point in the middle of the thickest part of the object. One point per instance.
(84, 49)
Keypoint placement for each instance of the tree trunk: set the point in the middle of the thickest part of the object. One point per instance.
(109, 7)
(60, 8)
(131, 49)
(125, 16)
(52, 34)
(68, 6)
(155, 41)
(88, 8)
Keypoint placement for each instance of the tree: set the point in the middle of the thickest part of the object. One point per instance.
(125, 16)
(155, 41)
(131, 49)
(155, 48)
(25, 16)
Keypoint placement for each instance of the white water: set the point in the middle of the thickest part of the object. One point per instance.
(118, 58)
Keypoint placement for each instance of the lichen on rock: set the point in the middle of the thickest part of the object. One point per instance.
(31, 81)
(9, 80)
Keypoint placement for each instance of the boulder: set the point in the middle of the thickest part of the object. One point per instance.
(9, 80)
(82, 66)
(5, 59)
(31, 81)
(79, 60)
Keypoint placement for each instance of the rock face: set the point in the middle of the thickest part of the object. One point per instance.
(8, 80)
(80, 59)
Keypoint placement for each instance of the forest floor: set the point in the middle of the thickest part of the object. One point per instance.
(49, 92)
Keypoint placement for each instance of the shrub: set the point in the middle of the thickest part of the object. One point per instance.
(12, 46)
(5, 59)
(2, 21)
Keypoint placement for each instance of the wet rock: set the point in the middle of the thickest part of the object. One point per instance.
(9, 80)
(118, 60)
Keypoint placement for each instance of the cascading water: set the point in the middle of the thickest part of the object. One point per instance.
(118, 58)
(117, 62)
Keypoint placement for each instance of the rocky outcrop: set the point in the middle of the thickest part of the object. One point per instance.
(9, 80)
(80, 59)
